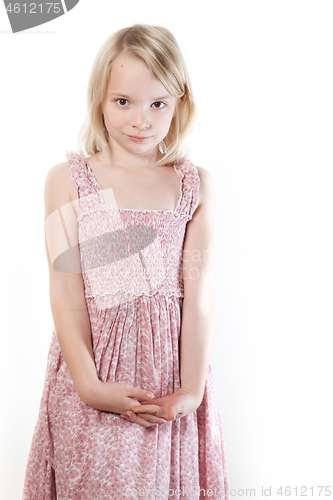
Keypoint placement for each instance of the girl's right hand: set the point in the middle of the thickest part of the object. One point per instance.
(118, 397)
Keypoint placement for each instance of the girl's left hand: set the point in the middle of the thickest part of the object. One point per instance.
(174, 406)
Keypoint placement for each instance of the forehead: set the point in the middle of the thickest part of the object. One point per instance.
(130, 74)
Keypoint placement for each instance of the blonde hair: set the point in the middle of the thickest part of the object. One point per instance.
(159, 50)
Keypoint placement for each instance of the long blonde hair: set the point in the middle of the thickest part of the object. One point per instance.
(158, 48)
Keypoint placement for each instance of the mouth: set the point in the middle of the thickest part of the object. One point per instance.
(138, 138)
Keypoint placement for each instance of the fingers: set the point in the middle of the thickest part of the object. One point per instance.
(150, 417)
(144, 419)
(152, 409)
(141, 394)
(132, 417)
(134, 405)
(153, 401)
(162, 412)
(153, 418)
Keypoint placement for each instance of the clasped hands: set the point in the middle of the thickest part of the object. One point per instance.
(160, 410)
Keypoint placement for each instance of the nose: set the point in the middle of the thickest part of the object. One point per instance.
(140, 119)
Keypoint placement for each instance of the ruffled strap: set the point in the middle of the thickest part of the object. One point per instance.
(90, 197)
(190, 185)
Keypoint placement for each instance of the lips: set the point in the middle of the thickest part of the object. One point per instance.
(138, 137)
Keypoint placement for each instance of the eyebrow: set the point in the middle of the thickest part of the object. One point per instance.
(128, 97)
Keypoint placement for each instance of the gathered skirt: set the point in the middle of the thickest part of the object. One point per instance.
(81, 453)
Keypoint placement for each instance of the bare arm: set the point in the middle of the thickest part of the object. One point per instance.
(200, 307)
(67, 298)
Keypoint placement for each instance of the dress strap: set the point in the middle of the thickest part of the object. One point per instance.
(190, 185)
(90, 197)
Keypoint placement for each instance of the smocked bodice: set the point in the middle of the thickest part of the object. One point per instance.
(125, 252)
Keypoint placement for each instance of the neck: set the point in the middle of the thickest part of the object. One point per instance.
(122, 161)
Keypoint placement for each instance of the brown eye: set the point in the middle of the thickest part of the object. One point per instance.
(124, 100)
(160, 102)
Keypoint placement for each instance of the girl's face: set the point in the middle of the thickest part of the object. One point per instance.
(137, 104)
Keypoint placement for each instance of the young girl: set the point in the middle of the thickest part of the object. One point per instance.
(129, 408)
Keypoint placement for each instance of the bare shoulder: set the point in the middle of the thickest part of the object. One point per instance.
(59, 173)
(58, 187)
(61, 228)
(207, 189)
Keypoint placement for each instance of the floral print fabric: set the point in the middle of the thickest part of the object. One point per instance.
(131, 268)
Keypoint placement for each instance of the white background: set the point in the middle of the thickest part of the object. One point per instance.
(263, 79)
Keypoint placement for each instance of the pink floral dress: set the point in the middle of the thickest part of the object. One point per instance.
(132, 273)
